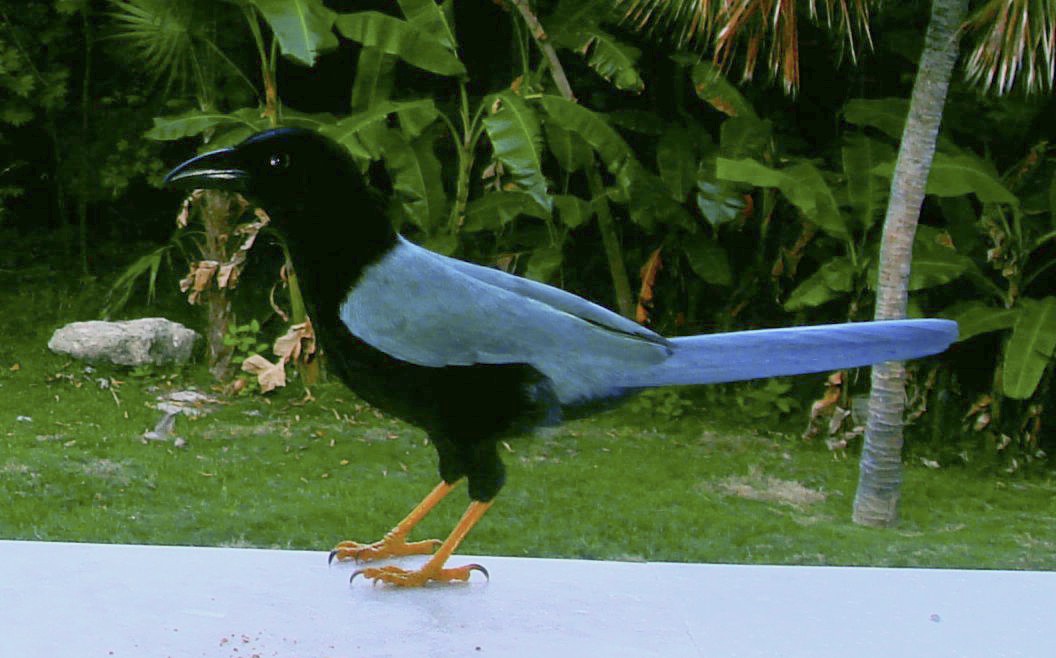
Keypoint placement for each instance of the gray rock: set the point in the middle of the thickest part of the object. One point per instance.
(133, 343)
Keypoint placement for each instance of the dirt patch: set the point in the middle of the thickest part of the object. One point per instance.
(772, 490)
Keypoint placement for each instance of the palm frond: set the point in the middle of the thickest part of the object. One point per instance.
(160, 34)
(682, 21)
(728, 26)
(1016, 40)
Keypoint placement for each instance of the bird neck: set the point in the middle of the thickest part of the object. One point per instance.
(331, 242)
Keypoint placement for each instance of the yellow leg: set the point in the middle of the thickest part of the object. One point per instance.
(394, 543)
(433, 570)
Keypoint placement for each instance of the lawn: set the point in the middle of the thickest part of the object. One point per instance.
(283, 471)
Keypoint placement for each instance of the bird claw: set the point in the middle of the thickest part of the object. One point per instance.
(392, 575)
(390, 546)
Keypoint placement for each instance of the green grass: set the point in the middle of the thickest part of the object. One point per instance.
(280, 472)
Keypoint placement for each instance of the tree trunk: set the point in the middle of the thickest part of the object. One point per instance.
(880, 474)
(218, 209)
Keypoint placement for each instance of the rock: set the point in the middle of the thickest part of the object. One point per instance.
(155, 341)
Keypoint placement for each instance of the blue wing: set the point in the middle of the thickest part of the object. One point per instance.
(435, 311)
(423, 308)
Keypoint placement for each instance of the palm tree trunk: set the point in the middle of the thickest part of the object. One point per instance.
(880, 474)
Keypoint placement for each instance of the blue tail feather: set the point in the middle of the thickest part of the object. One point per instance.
(714, 358)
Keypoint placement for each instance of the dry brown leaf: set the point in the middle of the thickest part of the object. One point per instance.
(269, 375)
(204, 271)
(649, 273)
(298, 340)
(275, 306)
(227, 275)
(833, 390)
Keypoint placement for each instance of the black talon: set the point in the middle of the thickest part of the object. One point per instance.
(330, 560)
(354, 574)
(481, 569)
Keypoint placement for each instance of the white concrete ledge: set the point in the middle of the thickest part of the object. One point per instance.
(86, 600)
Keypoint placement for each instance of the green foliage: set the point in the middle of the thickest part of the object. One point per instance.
(245, 339)
(409, 42)
(759, 211)
(515, 134)
(146, 266)
(1030, 347)
(302, 27)
(661, 403)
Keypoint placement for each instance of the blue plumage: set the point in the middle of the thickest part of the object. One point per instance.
(430, 310)
(471, 354)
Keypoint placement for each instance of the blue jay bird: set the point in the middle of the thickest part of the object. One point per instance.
(471, 354)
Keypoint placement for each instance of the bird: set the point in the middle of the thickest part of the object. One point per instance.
(472, 354)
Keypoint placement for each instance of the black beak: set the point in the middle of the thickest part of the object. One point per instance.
(214, 170)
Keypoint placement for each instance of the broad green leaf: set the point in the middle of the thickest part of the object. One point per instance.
(957, 175)
(402, 39)
(649, 203)
(303, 27)
(374, 78)
(638, 121)
(808, 181)
(888, 115)
(802, 184)
(745, 136)
(544, 262)
(571, 152)
(676, 159)
(612, 60)
(974, 318)
(429, 16)
(934, 263)
(347, 131)
(416, 177)
(717, 201)
(961, 174)
(496, 209)
(1030, 347)
(573, 211)
(515, 135)
(708, 260)
(415, 119)
(866, 191)
(833, 279)
(195, 122)
(229, 137)
(714, 89)
(442, 243)
(572, 17)
(593, 128)
(961, 220)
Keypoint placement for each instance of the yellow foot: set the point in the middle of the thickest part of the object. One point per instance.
(390, 546)
(404, 578)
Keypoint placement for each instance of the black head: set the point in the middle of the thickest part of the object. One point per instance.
(278, 169)
(313, 191)
(307, 183)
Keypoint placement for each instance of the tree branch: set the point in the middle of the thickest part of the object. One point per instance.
(557, 72)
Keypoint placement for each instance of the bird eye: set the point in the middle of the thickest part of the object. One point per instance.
(279, 160)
